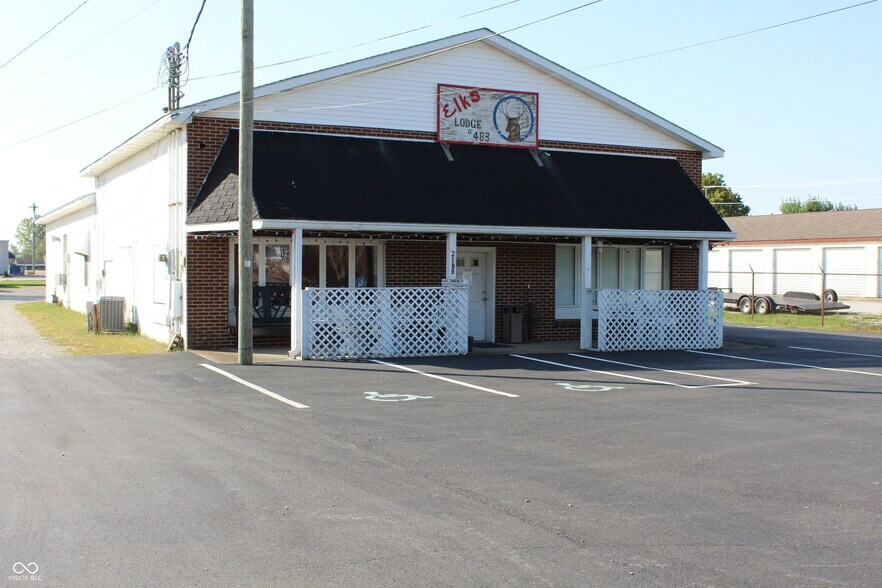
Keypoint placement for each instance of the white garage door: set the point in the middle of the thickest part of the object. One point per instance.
(742, 262)
(879, 271)
(845, 260)
(792, 269)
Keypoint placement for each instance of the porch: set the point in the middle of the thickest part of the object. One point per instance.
(404, 305)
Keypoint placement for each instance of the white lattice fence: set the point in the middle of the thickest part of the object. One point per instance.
(659, 319)
(351, 323)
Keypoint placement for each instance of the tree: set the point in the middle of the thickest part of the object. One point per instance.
(722, 198)
(24, 233)
(812, 204)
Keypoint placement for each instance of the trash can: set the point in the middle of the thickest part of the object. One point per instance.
(512, 323)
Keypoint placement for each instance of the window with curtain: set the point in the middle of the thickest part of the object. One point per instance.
(626, 267)
(565, 276)
(653, 272)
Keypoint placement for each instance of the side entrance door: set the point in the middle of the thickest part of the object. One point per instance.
(473, 267)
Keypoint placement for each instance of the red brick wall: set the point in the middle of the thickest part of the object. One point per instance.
(208, 282)
(518, 266)
(684, 268)
(410, 263)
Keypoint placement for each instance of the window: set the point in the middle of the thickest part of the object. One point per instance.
(630, 274)
(311, 266)
(565, 276)
(327, 264)
(626, 267)
(277, 264)
(337, 266)
(366, 266)
(567, 259)
(653, 273)
(339, 263)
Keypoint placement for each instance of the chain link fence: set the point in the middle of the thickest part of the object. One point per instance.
(845, 297)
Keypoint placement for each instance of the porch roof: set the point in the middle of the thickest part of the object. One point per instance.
(332, 179)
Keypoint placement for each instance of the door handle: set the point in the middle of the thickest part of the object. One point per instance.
(484, 296)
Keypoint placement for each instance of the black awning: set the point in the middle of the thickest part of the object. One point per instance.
(327, 178)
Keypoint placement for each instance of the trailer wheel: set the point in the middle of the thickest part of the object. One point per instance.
(831, 296)
(744, 304)
(763, 306)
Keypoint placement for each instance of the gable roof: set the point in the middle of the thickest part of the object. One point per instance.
(808, 226)
(67, 208)
(185, 114)
(424, 50)
(334, 179)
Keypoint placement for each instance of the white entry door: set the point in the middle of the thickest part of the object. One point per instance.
(473, 267)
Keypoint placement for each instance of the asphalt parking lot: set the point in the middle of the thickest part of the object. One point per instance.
(757, 465)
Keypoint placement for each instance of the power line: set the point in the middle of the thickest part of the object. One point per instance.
(37, 40)
(774, 26)
(44, 133)
(357, 74)
(865, 180)
(362, 44)
(73, 122)
(380, 68)
(830, 197)
(554, 75)
(83, 48)
(193, 30)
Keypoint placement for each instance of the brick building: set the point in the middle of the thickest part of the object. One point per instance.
(375, 174)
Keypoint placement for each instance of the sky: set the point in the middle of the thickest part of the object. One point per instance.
(796, 108)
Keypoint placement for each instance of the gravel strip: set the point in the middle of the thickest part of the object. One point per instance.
(18, 339)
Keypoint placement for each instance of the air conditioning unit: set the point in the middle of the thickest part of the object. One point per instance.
(112, 314)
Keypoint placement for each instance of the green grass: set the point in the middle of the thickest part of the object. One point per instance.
(834, 321)
(7, 283)
(67, 328)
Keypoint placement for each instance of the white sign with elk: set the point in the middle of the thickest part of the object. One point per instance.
(483, 116)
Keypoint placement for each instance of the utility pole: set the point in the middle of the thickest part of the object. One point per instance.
(34, 240)
(246, 151)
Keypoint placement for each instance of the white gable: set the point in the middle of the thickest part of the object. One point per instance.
(404, 97)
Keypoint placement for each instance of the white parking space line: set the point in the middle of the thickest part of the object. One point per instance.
(615, 375)
(254, 386)
(442, 378)
(731, 382)
(804, 365)
(836, 352)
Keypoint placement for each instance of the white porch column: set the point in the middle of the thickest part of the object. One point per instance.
(586, 312)
(451, 256)
(702, 264)
(296, 293)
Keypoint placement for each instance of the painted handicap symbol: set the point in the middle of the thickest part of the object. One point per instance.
(588, 387)
(392, 397)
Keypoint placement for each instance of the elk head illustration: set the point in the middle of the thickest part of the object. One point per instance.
(513, 115)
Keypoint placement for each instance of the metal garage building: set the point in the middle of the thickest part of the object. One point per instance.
(789, 252)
